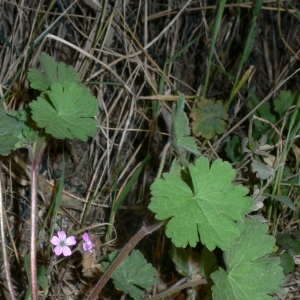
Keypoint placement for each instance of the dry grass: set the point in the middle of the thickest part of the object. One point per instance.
(120, 51)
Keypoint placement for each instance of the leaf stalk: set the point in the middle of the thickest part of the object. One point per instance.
(145, 230)
(37, 156)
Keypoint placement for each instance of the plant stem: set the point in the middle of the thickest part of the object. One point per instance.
(145, 230)
(175, 289)
(33, 271)
(35, 162)
(163, 158)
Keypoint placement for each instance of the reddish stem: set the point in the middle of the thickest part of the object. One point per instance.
(36, 157)
(33, 271)
(145, 230)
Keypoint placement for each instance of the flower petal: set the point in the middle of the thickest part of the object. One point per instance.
(70, 241)
(58, 250)
(55, 240)
(85, 247)
(88, 246)
(85, 237)
(61, 235)
(66, 251)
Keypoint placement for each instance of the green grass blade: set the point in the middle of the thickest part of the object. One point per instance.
(213, 42)
(122, 196)
(175, 56)
(292, 131)
(247, 50)
(58, 198)
(119, 201)
(297, 11)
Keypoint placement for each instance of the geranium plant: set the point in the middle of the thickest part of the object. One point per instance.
(203, 206)
(64, 109)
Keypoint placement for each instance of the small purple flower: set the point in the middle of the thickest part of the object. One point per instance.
(88, 245)
(62, 243)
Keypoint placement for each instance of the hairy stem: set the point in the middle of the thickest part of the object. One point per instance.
(33, 271)
(163, 158)
(36, 159)
(145, 230)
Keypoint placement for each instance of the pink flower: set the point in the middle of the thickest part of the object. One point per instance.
(62, 243)
(88, 245)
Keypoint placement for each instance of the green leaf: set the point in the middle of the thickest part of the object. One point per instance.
(10, 132)
(264, 171)
(106, 260)
(42, 277)
(287, 262)
(66, 112)
(291, 182)
(27, 269)
(134, 275)
(234, 149)
(208, 118)
(208, 263)
(210, 209)
(28, 134)
(289, 242)
(175, 168)
(284, 102)
(54, 73)
(264, 112)
(180, 129)
(294, 247)
(249, 275)
(283, 199)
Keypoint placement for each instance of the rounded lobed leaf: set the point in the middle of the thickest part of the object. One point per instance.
(134, 275)
(66, 112)
(53, 73)
(249, 275)
(208, 118)
(209, 210)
